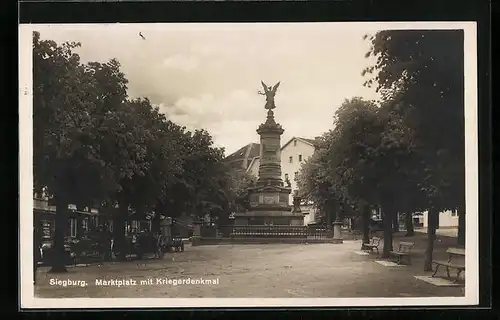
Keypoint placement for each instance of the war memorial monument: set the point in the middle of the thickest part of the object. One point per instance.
(268, 199)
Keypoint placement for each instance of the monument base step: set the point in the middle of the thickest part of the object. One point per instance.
(260, 240)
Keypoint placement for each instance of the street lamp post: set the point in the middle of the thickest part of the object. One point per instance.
(337, 224)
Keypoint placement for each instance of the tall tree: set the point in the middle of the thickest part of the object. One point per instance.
(122, 139)
(66, 153)
(163, 159)
(238, 186)
(211, 179)
(362, 163)
(422, 70)
(371, 146)
(313, 181)
(199, 189)
(357, 132)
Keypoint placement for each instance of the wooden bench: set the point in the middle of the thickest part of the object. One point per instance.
(404, 250)
(452, 262)
(177, 244)
(372, 245)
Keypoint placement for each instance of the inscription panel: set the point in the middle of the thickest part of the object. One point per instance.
(270, 152)
(254, 200)
(284, 198)
(270, 200)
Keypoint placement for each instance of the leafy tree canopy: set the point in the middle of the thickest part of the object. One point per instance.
(421, 74)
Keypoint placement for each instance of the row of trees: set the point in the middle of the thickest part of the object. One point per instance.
(96, 147)
(405, 153)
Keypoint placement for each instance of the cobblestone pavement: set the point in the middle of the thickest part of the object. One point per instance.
(252, 271)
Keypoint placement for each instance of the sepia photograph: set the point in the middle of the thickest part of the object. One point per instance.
(248, 164)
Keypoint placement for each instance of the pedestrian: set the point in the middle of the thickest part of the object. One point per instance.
(110, 242)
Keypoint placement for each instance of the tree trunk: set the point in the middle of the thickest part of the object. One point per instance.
(223, 220)
(431, 236)
(79, 225)
(329, 214)
(155, 223)
(119, 237)
(59, 255)
(461, 225)
(365, 221)
(387, 220)
(119, 230)
(409, 225)
(395, 223)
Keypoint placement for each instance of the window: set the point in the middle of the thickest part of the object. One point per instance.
(72, 227)
(290, 159)
(47, 229)
(296, 175)
(85, 224)
(300, 157)
(453, 213)
(95, 221)
(134, 226)
(294, 143)
(286, 176)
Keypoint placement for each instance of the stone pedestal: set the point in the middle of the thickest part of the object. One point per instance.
(296, 203)
(269, 199)
(337, 232)
(270, 153)
(195, 239)
(166, 227)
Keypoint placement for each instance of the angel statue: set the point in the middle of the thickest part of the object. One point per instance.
(269, 92)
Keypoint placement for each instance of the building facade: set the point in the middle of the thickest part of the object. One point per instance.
(79, 221)
(447, 219)
(293, 154)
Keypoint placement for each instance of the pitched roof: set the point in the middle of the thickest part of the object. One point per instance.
(243, 154)
(254, 151)
(239, 154)
(252, 162)
(311, 142)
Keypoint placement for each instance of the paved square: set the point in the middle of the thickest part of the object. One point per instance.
(244, 271)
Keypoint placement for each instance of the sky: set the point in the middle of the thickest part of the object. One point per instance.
(206, 76)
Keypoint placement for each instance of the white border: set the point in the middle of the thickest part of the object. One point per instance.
(471, 150)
